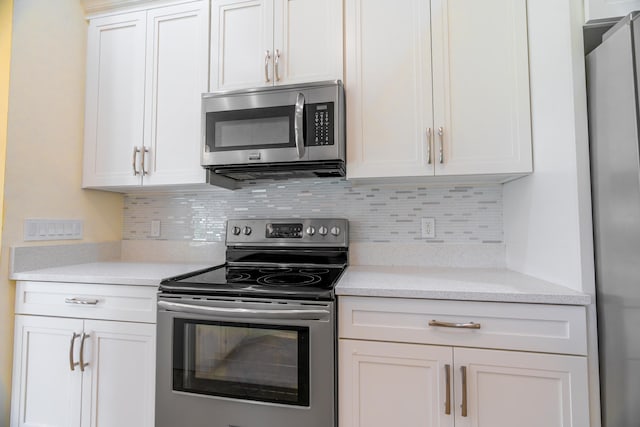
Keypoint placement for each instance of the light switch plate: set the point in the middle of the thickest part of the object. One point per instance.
(52, 229)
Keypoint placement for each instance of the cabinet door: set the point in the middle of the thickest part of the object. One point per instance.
(388, 88)
(602, 9)
(241, 44)
(481, 86)
(45, 391)
(177, 75)
(389, 384)
(119, 381)
(308, 39)
(114, 100)
(506, 389)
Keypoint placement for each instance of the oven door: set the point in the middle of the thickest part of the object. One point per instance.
(224, 363)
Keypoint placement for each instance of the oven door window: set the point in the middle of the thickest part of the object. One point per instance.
(263, 363)
(252, 129)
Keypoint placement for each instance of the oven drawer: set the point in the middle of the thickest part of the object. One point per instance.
(511, 326)
(87, 301)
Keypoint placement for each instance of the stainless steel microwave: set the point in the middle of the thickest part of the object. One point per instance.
(276, 132)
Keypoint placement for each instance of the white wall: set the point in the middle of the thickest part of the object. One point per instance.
(547, 216)
(44, 144)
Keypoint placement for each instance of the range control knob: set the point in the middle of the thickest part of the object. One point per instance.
(236, 231)
(311, 231)
(247, 231)
(335, 231)
(323, 231)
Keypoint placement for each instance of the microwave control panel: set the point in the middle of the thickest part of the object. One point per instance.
(319, 124)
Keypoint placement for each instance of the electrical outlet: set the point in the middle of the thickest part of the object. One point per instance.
(428, 228)
(155, 228)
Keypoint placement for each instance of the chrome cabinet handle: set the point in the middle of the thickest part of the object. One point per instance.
(145, 150)
(463, 369)
(447, 402)
(72, 364)
(277, 65)
(441, 135)
(298, 131)
(267, 58)
(82, 340)
(469, 325)
(428, 146)
(81, 301)
(136, 150)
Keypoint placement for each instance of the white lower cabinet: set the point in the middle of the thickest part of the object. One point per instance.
(392, 384)
(72, 372)
(410, 384)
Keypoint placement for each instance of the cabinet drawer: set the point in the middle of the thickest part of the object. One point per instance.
(511, 326)
(87, 301)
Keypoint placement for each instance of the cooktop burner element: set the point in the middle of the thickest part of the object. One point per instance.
(293, 259)
(296, 279)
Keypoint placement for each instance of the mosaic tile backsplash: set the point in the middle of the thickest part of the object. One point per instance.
(377, 213)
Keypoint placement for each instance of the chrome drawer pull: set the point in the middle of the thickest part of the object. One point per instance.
(267, 58)
(428, 146)
(136, 150)
(81, 301)
(441, 135)
(447, 402)
(72, 364)
(82, 363)
(463, 407)
(277, 65)
(470, 325)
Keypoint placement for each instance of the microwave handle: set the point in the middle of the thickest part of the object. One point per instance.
(298, 125)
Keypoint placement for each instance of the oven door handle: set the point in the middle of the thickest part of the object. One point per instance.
(290, 314)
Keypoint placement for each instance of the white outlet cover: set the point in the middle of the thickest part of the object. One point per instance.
(428, 228)
(155, 228)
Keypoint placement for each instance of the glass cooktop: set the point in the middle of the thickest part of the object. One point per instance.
(298, 282)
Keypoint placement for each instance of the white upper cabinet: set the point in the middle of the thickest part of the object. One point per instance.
(270, 42)
(177, 65)
(481, 87)
(308, 37)
(146, 72)
(388, 88)
(241, 43)
(114, 99)
(447, 95)
(602, 9)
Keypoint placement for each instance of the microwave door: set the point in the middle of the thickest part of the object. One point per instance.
(262, 131)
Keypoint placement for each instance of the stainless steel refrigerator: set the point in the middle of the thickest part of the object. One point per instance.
(614, 128)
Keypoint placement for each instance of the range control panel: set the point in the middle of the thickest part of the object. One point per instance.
(320, 124)
(298, 232)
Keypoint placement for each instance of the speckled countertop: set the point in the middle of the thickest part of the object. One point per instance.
(116, 272)
(472, 284)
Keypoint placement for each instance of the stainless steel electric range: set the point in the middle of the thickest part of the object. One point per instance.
(252, 342)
